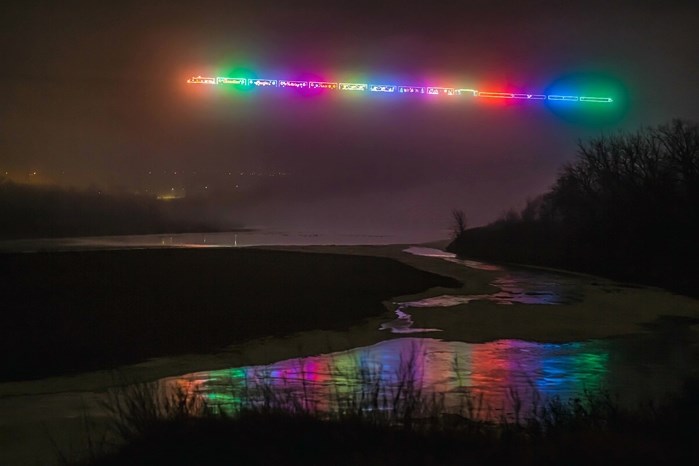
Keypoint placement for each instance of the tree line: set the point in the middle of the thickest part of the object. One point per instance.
(49, 211)
(627, 206)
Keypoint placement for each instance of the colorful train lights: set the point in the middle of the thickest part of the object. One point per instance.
(411, 90)
(293, 84)
(509, 95)
(353, 87)
(322, 85)
(382, 88)
(202, 80)
(390, 88)
(234, 81)
(596, 99)
(262, 82)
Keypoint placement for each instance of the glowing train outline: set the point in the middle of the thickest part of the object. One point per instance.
(390, 88)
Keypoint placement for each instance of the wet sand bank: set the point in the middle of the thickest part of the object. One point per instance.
(30, 409)
(604, 308)
(70, 312)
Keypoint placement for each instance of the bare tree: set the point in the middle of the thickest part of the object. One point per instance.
(460, 223)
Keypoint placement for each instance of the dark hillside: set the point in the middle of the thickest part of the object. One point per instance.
(627, 208)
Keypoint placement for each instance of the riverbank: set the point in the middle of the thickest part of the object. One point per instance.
(36, 415)
(68, 312)
(603, 308)
(546, 245)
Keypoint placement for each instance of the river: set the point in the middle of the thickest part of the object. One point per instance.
(497, 375)
(439, 358)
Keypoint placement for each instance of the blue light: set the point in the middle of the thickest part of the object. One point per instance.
(411, 90)
(566, 98)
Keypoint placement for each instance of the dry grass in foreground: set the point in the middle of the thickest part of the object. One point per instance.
(390, 425)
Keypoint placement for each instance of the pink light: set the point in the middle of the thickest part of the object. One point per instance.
(322, 85)
(440, 91)
(294, 84)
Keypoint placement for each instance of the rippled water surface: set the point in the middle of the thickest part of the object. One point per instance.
(496, 375)
(514, 287)
(493, 374)
(493, 377)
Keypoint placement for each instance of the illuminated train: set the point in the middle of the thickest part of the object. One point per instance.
(388, 88)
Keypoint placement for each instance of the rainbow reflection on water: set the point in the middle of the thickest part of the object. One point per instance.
(455, 370)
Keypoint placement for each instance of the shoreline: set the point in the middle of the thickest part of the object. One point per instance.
(475, 322)
(484, 244)
(72, 312)
(609, 308)
(53, 402)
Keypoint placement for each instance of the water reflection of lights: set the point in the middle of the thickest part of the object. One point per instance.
(514, 287)
(487, 371)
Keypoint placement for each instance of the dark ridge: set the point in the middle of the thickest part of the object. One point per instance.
(627, 208)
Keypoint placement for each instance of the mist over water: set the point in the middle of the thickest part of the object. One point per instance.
(243, 238)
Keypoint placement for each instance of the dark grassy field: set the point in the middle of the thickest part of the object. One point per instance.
(75, 311)
(149, 428)
(298, 440)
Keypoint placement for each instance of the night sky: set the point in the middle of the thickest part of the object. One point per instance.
(94, 93)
